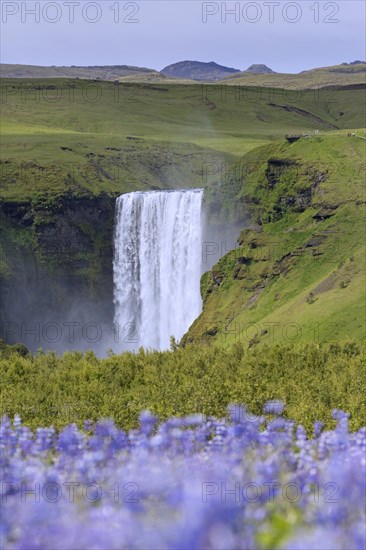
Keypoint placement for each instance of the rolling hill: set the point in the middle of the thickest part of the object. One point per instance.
(259, 69)
(105, 72)
(338, 75)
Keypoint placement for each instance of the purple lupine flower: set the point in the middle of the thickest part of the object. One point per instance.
(187, 483)
(275, 407)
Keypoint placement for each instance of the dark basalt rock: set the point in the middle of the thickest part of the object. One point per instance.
(275, 168)
(324, 214)
(59, 265)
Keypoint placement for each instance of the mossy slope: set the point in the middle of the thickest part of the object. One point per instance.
(298, 273)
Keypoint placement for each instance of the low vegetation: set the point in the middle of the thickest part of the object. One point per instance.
(311, 379)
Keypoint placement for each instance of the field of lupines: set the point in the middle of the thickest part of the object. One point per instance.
(188, 483)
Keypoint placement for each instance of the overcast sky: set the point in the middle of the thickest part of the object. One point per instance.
(287, 36)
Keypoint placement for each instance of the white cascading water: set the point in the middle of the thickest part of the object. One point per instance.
(157, 266)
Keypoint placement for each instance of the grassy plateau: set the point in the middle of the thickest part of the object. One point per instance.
(82, 138)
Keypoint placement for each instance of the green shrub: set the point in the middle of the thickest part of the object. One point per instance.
(311, 379)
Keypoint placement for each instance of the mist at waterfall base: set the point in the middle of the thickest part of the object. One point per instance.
(157, 266)
(33, 315)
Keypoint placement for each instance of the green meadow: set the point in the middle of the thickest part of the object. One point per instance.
(82, 138)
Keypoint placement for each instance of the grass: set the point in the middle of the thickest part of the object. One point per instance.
(57, 140)
(299, 274)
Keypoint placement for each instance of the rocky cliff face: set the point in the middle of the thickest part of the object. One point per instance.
(56, 272)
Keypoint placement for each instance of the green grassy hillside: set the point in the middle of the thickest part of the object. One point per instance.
(298, 273)
(82, 138)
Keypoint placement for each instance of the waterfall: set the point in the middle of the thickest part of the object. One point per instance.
(157, 266)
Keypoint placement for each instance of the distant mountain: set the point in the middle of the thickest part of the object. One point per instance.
(198, 70)
(259, 69)
(189, 72)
